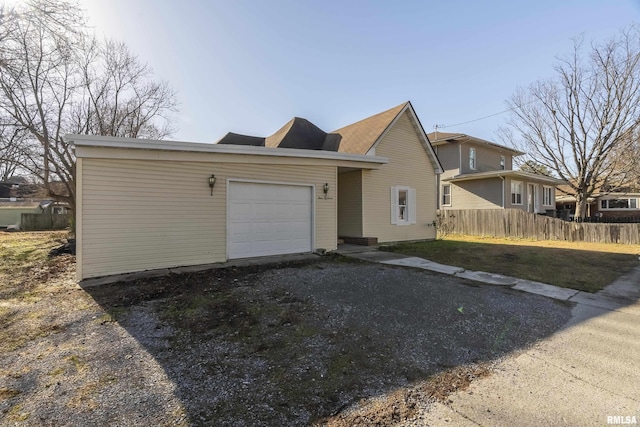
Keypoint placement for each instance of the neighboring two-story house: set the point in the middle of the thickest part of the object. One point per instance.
(478, 174)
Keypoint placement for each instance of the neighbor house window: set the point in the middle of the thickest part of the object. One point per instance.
(502, 162)
(58, 210)
(472, 158)
(547, 196)
(446, 195)
(516, 192)
(619, 204)
(403, 205)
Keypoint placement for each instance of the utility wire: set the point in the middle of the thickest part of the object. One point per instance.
(476, 120)
(592, 76)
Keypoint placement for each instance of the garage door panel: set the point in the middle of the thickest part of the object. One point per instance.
(268, 219)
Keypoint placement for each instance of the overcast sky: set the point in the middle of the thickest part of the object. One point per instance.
(248, 66)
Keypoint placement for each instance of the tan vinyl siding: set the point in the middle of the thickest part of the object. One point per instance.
(481, 194)
(409, 165)
(147, 214)
(449, 155)
(350, 204)
(487, 158)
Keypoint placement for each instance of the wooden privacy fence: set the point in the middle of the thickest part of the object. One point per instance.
(43, 221)
(525, 225)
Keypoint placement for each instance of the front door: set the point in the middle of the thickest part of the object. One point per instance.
(531, 198)
(533, 202)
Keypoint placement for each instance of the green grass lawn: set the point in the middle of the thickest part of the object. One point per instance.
(577, 265)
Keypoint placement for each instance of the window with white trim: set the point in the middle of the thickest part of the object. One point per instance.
(502, 162)
(547, 196)
(472, 158)
(446, 195)
(403, 205)
(516, 192)
(631, 203)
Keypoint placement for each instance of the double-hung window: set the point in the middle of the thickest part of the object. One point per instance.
(472, 158)
(547, 196)
(516, 192)
(403, 205)
(446, 195)
(502, 162)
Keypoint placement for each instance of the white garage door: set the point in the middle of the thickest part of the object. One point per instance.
(268, 219)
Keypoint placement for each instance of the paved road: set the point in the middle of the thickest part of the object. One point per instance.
(582, 375)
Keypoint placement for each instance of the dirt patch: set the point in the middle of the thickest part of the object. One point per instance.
(403, 405)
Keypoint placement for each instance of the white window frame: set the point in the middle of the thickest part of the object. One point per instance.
(444, 194)
(514, 200)
(410, 205)
(547, 191)
(472, 158)
(604, 204)
(503, 162)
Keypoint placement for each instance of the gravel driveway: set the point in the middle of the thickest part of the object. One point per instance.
(328, 341)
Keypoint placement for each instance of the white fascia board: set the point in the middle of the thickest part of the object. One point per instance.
(149, 144)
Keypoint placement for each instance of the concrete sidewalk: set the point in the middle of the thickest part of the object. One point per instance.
(586, 374)
(616, 295)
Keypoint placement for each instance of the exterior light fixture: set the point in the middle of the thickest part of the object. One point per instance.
(212, 182)
(325, 188)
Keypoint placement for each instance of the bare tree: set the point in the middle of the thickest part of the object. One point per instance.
(119, 97)
(576, 123)
(57, 79)
(15, 151)
(625, 163)
(534, 167)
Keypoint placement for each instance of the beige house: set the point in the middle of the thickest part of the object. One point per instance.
(145, 205)
(478, 174)
(397, 201)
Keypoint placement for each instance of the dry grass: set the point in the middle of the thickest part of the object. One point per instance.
(27, 275)
(577, 265)
(24, 256)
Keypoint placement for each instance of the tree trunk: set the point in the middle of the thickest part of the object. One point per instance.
(581, 206)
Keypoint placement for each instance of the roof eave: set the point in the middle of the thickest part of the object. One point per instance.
(468, 138)
(505, 174)
(138, 144)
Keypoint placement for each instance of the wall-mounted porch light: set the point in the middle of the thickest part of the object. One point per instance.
(325, 189)
(212, 182)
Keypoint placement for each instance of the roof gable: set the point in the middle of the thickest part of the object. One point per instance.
(361, 137)
(357, 138)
